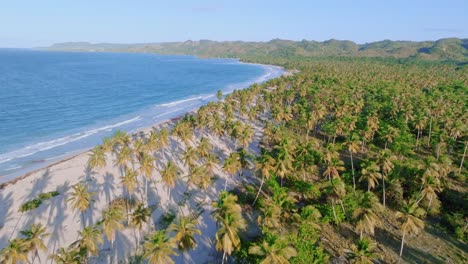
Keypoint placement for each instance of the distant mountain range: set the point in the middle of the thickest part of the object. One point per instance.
(451, 49)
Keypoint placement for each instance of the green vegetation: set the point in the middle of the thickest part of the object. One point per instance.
(36, 202)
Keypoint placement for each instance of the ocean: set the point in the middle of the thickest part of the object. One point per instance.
(57, 104)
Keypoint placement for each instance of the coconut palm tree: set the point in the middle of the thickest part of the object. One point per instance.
(158, 248)
(80, 199)
(146, 169)
(363, 252)
(138, 218)
(273, 250)
(231, 166)
(371, 173)
(245, 137)
(35, 239)
(190, 156)
(204, 148)
(353, 147)
(185, 230)
(15, 252)
(365, 214)
(124, 156)
(410, 220)
(211, 163)
(264, 165)
(198, 176)
(228, 216)
(129, 180)
(68, 255)
(111, 222)
(385, 161)
(97, 158)
(89, 240)
(169, 174)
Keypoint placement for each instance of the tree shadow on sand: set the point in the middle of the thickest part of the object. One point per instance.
(410, 254)
(6, 201)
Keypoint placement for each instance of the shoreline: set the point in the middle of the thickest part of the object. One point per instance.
(27, 167)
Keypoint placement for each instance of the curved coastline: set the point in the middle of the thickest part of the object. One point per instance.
(18, 174)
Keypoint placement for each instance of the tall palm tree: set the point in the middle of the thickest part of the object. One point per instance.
(111, 222)
(158, 249)
(124, 156)
(273, 250)
(169, 174)
(333, 169)
(146, 169)
(204, 148)
(15, 252)
(264, 165)
(353, 147)
(385, 161)
(89, 240)
(228, 216)
(410, 221)
(35, 239)
(129, 180)
(97, 158)
(80, 199)
(363, 252)
(190, 156)
(365, 214)
(139, 217)
(211, 163)
(185, 230)
(371, 174)
(68, 255)
(245, 136)
(231, 166)
(198, 176)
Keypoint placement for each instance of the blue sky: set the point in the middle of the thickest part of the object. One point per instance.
(38, 23)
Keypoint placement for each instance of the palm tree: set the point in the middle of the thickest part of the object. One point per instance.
(273, 250)
(211, 163)
(97, 158)
(333, 169)
(245, 136)
(169, 174)
(15, 252)
(371, 174)
(204, 148)
(129, 180)
(158, 249)
(146, 169)
(198, 176)
(124, 156)
(67, 256)
(363, 252)
(35, 239)
(185, 230)
(228, 216)
(410, 221)
(111, 222)
(89, 239)
(365, 214)
(80, 199)
(190, 156)
(386, 164)
(264, 165)
(139, 217)
(231, 166)
(353, 147)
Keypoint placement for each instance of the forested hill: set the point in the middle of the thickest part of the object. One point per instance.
(452, 49)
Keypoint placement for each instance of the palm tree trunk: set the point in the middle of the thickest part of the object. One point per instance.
(430, 132)
(401, 248)
(463, 159)
(360, 235)
(259, 190)
(225, 183)
(342, 207)
(352, 171)
(383, 190)
(334, 214)
(224, 257)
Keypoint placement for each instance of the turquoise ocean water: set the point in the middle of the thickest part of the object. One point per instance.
(56, 104)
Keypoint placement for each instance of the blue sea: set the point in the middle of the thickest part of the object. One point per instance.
(56, 104)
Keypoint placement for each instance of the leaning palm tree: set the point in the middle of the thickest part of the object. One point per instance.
(273, 250)
(158, 249)
(97, 158)
(363, 252)
(35, 239)
(138, 218)
(80, 199)
(228, 216)
(185, 230)
(15, 252)
(264, 165)
(169, 174)
(410, 221)
(89, 239)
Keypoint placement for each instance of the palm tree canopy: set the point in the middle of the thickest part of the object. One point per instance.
(80, 198)
(158, 249)
(15, 252)
(185, 230)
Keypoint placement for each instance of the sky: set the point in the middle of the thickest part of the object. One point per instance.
(34, 23)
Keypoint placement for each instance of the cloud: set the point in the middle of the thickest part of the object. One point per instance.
(444, 30)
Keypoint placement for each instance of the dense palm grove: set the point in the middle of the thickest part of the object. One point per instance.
(346, 144)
